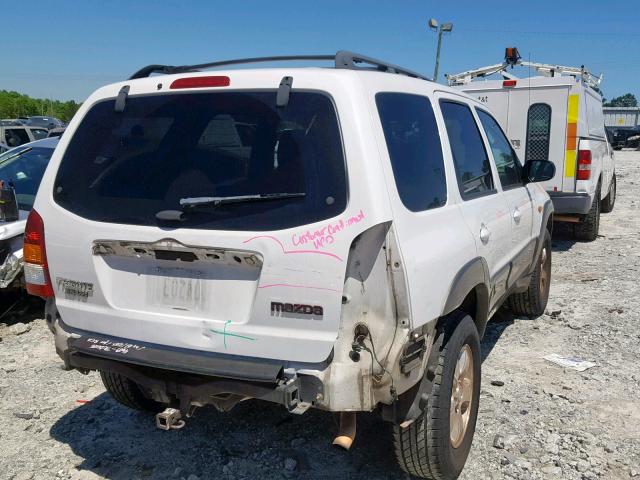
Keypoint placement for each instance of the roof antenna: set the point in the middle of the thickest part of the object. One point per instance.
(121, 99)
(282, 98)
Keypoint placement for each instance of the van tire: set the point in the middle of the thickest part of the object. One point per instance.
(610, 200)
(424, 448)
(532, 302)
(587, 230)
(128, 393)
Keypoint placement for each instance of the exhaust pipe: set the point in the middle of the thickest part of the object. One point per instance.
(347, 431)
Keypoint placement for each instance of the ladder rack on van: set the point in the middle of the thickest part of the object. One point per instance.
(512, 58)
(342, 60)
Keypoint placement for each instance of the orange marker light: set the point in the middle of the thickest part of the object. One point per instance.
(32, 253)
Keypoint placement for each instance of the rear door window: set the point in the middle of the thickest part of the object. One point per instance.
(415, 150)
(538, 132)
(124, 167)
(471, 162)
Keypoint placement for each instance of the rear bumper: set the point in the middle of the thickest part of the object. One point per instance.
(187, 377)
(571, 203)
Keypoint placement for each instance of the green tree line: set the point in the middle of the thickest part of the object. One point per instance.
(14, 105)
(626, 100)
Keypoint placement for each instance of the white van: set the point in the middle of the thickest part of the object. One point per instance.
(556, 116)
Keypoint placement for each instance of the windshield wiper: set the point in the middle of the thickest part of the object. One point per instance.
(191, 203)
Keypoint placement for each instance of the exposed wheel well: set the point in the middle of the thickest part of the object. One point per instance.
(550, 224)
(470, 304)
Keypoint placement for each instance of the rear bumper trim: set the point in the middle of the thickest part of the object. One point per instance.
(168, 358)
(150, 355)
(571, 203)
(69, 339)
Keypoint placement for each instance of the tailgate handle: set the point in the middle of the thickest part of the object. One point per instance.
(175, 255)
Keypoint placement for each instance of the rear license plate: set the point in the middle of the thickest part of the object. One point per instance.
(177, 288)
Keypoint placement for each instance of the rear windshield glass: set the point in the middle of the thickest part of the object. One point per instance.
(125, 167)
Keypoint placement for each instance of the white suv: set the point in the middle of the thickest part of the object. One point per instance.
(334, 238)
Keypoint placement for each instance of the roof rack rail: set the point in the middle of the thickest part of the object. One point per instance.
(342, 60)
(512, 58)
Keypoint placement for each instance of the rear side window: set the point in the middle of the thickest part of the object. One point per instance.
(415, 150)
(124, 167)
(16, 136)
(538, 132)
(506, 160)
(470, 158)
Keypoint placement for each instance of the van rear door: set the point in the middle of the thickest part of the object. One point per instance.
(497, 100)
(537, 128)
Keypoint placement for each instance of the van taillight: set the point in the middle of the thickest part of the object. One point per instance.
(509, 83)
(36, 270)
(584, 165)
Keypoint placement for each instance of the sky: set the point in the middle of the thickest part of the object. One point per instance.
(66, 49)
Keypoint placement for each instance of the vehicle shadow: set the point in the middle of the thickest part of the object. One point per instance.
(500, 321)
(251, 441)
(18, 306)
(562, 238)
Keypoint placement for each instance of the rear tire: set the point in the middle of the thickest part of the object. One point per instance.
(427, 448)
(587, 230)
(532, 302)
(610, 199)
(128, 393)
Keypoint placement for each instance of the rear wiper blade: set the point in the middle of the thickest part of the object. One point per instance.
(191, 202)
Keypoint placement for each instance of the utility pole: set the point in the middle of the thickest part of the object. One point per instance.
(444, 28)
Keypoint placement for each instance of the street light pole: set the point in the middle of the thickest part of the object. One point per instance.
(435, 70)
(445, 27)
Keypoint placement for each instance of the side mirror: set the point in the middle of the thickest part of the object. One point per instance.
(538, 171)
(8, 204)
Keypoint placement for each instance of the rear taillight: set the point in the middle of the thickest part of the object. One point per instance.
(201, 82)
(509, 83)
(36, 270)
(584, 165)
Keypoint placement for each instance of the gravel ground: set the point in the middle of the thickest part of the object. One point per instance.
(536, 421)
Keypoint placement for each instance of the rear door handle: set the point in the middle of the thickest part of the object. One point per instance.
(485, 234)
(517, 215)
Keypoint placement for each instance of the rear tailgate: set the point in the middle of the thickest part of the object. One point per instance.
(257, 278)
(248, 307)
